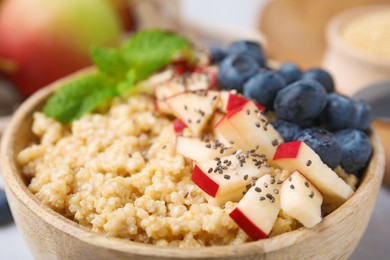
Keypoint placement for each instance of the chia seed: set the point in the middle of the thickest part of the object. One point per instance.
(258, 189)
(292, 187)
(227, 177)
(308, 163)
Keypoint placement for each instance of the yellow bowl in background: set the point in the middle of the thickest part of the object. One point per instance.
(352, 68)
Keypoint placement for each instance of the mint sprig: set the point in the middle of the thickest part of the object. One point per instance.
(79, 97)
(119, 70)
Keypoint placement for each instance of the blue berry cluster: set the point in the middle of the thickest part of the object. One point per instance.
(305, 103)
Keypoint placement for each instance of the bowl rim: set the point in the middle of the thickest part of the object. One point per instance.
(335, 40)
(15, 185)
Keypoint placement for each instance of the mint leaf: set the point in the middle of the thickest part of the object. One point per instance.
(147, 51)
(121, 72)
(125, 85)
(109, 62)
(79, 97)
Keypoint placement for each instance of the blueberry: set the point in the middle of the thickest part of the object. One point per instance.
(235, 70)
(216, 54)
(363, 116)
(322, 77)
(300, 102)
(5, 213)
(323, 143)
(250, 48)
(339, 112)
(291, 72)
(355, 147)
(263, 88)
(286, 129)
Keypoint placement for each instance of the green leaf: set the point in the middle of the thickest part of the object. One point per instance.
(125, 85)
(148, 51)
(109, 62)
(79, 97)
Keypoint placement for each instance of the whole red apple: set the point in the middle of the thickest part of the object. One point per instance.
(43, 40)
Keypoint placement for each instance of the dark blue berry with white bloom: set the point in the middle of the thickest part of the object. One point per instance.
(250, 48)
(290, 72)
(356, 149)
(322, 77)
(216, 54)
(286, 129)
(363, 115)
(263, 88)
(5, 212)
(300, 102)
(235, 70)
(339, 112)
(323, 143)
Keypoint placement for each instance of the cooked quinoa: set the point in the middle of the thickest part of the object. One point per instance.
(370, 33)
(117, 173)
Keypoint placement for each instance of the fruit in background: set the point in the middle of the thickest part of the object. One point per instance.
(201, 150)
(322, 77)
(355, 149)
(290, 72)
(45, 40)
(194, 108)
(300, 102)
(263, 88)
(323, 143)
(299, 156)
(225, 178)
(300, 199)
(250, 48)
(235, 70)
(258, 210)
(255, 129)
(286, 129)
(126, 14)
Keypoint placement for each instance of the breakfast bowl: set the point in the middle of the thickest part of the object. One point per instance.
(356, 67)
(165, 150)
(53, 236)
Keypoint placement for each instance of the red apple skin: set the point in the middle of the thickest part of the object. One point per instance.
(247, 225)
(45, 42)
(204, 182)
(178, 126)
(235, 101)
(288, 150)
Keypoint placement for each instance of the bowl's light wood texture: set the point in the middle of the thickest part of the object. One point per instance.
(52, 236)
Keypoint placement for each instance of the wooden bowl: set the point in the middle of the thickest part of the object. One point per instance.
(52, 236)
(352, 69)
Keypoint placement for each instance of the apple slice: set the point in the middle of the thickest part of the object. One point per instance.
(230, 100)
(300, 199)
(258, 210)
(226, 175)
(255, 129)
(194, 108)
(201, 150)
(226, 132)
(297, 155)
(182, 83)
(178, 126)
(211, 72)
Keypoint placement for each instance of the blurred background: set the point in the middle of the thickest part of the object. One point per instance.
(42, 40)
